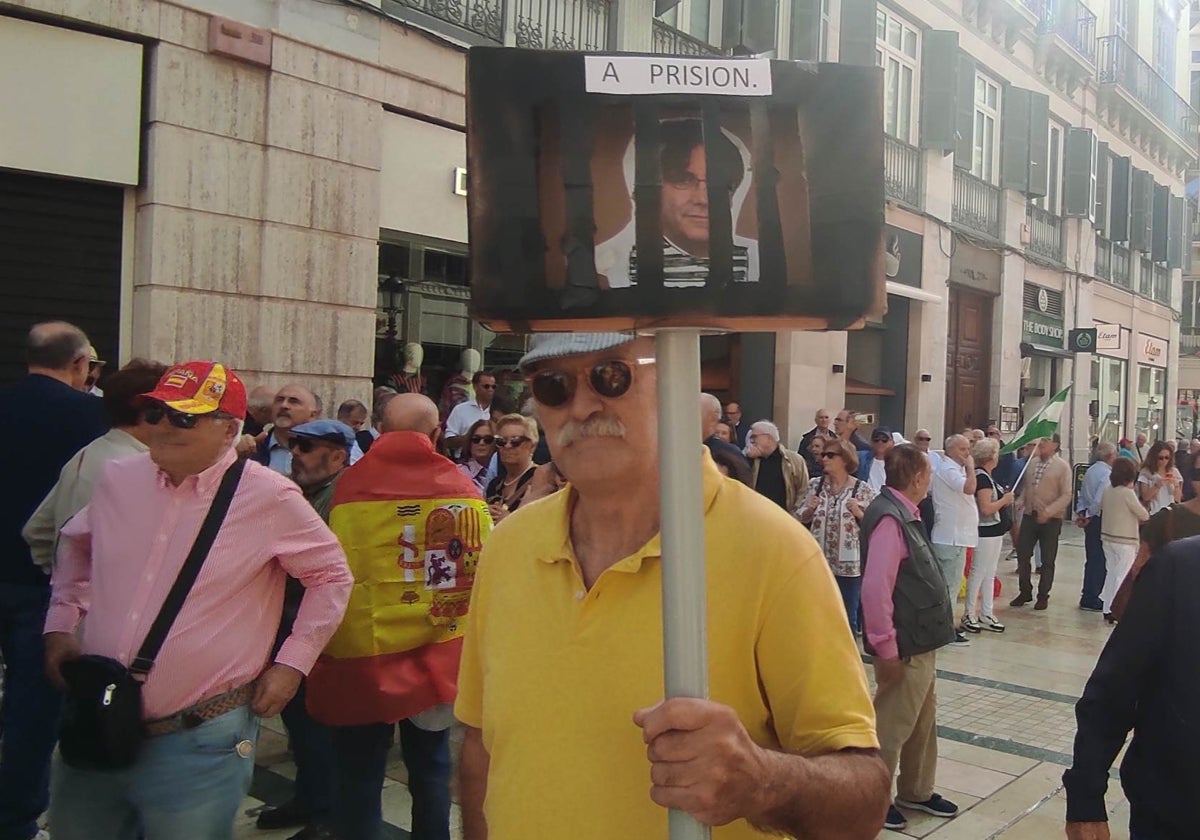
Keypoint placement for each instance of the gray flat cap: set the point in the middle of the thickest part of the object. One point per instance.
(557, 345)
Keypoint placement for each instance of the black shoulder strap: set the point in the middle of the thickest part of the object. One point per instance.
(190, 570)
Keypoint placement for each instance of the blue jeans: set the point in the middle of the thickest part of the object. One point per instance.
(185, 786)
(1094, 566)
(851, 588)
(31, 713)
(312, 749)
(361, 764)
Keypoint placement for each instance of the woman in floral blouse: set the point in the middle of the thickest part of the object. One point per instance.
(833, 509)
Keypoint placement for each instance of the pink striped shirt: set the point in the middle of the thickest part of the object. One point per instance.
(121, 554)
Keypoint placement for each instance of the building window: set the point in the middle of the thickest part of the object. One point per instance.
(823, 40)
(1152, 388)
(690, 16)
(1050, 201)
(1190, 322)
(1123, 15)
(1166, 26)
(1107, 412)
(896, 51)
(987, 117)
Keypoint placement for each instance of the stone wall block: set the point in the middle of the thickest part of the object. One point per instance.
(305, 117)
(206, 92)
(322, 194)
(311, 265)
(199, 171)
(200, 250)
(177, 25)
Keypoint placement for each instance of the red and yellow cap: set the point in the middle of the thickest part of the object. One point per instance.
(201, 388)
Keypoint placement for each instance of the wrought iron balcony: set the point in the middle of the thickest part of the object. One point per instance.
(976, 204)
(1145, 285)
(902, 171)
(1075, 23)
(562, 24)
(1045, 233)
(484, 18)
(1193, 209)
(671, 41)
(1161, 290)
(1121, 262)
(1103, 258)
(1122, 67)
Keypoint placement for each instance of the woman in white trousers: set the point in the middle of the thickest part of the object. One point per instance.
(992, 500)
(1121, 514)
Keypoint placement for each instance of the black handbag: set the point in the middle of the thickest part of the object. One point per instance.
(102, 726)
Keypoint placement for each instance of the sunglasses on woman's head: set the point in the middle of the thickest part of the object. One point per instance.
(554, 388)
(514, 442)
(488, 439)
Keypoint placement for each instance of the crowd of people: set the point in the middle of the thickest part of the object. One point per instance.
(185, 557)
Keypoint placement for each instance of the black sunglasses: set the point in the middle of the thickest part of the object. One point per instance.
(553, 388)
(514, 442)
(830, 454)
(923, 440)
(303, 445)
(880, 439)
(488, 439)
(154, 414)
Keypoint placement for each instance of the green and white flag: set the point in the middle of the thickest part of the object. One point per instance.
(1041, 425)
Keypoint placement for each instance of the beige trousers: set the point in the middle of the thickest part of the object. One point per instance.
(906, 722)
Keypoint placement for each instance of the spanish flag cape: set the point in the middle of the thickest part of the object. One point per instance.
(412, 526)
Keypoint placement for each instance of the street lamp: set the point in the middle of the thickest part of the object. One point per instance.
(389, 300)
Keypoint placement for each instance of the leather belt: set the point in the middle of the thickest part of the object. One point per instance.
(193, 716)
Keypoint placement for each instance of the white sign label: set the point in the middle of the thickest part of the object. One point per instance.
(1151, 350)
(638, 75)
(1108, 336)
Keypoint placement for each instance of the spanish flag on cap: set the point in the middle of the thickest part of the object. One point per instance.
(201, 388)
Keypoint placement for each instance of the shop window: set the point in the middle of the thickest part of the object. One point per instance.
(1107, 409)
(1152, 387)
(443, 267)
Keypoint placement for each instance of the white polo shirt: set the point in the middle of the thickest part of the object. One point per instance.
(955, 514)
(464, 416)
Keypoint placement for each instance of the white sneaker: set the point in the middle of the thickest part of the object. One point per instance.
(989, 622)
(42, 835)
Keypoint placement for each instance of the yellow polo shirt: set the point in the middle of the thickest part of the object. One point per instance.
(552, 673)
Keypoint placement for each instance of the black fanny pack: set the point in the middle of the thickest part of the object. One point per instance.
(102, 727)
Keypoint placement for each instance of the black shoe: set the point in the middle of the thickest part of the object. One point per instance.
(935, 805)
(895, 820)
(1097, 607)
(1020, 600)
(1042, 602)
(291, 814)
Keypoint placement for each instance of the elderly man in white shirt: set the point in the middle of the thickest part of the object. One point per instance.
(956, 516)
(129, 435)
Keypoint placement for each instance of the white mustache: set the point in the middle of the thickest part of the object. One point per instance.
(598, 426)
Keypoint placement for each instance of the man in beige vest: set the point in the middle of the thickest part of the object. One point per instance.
(1045, 496)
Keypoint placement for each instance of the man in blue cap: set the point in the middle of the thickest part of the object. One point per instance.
(320, 452)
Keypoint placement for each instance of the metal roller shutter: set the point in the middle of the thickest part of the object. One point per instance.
(60, 258)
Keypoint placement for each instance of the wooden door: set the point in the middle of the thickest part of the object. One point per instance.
(968, 360)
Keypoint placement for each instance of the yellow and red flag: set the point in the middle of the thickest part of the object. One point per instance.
(412, 526)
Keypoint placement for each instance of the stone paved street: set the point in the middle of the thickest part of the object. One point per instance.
(1006, 724)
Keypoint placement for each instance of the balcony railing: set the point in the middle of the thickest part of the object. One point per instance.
(1189, 342)
(561, 24)
(976, 204)
(1075, 23)
(1045, 233)
(1103, 258)
(1194, 215)
(1121, 65)
(671, 41)
(1161, 291)
(482, 17)
(1145, 285)
(1121, 266)
(902, 171)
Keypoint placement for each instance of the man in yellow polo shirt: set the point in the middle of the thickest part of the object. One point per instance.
(561, 680)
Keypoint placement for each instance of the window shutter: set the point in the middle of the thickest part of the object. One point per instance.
(1039, 143)
(1160, 227)
(661, 7)
(856, 45)
(1120, 199)
(964, 110)
(1141, 210)
(806, 30)
(1015, 164)
(1103, 169)
(939, 62)
(752, 25)
(1178, 230)
(1079, 196)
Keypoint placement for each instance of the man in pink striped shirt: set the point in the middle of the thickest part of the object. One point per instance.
(212, 680)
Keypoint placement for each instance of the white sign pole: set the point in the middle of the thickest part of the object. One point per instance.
(684, 593)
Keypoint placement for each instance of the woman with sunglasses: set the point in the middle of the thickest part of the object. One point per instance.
(516, 438)
(1159, 484)
(832, 510)
(478, 453)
